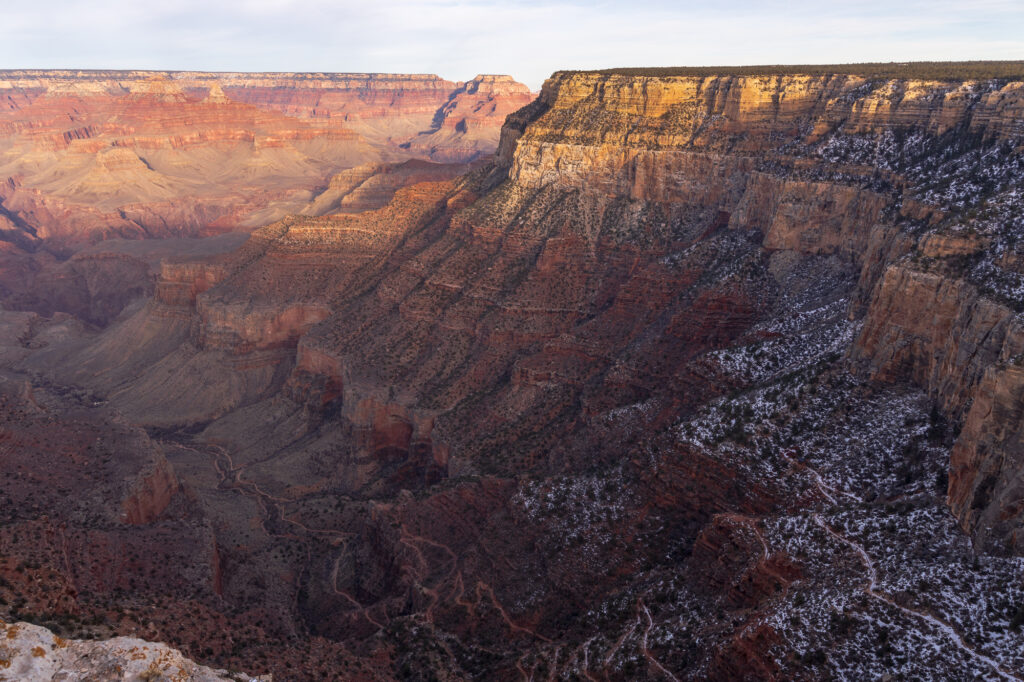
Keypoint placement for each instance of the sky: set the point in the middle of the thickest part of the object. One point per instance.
(528, 39)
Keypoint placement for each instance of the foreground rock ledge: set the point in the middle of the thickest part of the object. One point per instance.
(33, 653)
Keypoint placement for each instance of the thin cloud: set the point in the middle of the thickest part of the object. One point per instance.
(527, 38)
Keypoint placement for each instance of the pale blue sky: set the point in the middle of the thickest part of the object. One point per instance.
(526, 38)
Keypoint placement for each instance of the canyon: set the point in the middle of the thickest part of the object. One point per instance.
(685, 376)
(89, 156)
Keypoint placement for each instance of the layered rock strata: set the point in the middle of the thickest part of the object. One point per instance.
(609, 374)
(93, 155)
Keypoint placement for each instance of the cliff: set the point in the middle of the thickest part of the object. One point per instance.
(822, 164)
(684, 383)
(941, 322)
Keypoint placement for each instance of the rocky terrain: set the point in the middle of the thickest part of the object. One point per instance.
(29, 652)
(702, 377)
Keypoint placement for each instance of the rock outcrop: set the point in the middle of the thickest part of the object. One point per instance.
(466, 126)
(30, 652)
(938, 331)
(151, 494)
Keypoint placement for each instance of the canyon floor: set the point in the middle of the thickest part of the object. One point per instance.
(697, 377)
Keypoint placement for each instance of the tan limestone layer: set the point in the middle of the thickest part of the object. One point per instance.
(666, 112)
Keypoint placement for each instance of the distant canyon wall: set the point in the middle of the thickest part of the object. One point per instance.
(86, 155)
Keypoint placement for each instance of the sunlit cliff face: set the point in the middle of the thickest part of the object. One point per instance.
(167, 154)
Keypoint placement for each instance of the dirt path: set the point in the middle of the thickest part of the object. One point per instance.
(871, 589)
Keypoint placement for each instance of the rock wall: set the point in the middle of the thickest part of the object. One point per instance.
(763, 112)
(934, 331)
(939, 332)
(772, 155)
(150, 494)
